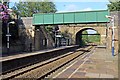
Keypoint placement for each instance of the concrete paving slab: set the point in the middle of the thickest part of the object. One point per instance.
(101, 64)
(79, 75)
(64, 75)
(92, 75)
(81, 69)
(106, 76)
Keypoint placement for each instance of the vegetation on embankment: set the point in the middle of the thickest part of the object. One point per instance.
(89, 38)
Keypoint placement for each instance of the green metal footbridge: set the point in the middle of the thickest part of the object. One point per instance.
(81, 17)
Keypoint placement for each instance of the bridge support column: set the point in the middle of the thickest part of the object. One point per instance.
(39, 39)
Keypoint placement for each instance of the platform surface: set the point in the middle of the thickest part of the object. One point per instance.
(20, 55)
(99, 64)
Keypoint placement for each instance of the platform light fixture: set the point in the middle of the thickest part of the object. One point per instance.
(8, 36)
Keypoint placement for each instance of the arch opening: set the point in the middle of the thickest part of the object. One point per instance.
(87, 36)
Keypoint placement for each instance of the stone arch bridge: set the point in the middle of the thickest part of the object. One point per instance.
(76, 30)
(74, 23)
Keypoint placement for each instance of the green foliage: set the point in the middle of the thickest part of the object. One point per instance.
(47, 7)
(114, 6)
(94, 38)
(27, 9)
(84, 38)
(49, 28)
(89, 38)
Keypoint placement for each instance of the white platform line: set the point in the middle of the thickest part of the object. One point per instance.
(64, 70)
(67, 67)
(80, 65)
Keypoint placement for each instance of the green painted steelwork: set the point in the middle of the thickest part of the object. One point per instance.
(71, 17)
(58, 18)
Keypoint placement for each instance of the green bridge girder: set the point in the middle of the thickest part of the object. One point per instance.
(81, 17)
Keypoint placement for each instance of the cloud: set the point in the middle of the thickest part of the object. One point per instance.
(74, 8)
(87, 9)
(91, 31)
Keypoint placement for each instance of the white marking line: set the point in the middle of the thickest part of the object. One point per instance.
(67, 67)
(64, 70)
(80, 65)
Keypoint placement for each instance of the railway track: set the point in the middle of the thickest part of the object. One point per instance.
(12, 63)
(43, 69)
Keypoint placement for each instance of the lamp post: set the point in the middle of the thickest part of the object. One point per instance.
(8, 36)
(112, 19)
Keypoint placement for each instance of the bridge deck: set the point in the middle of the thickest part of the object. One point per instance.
(71, 17)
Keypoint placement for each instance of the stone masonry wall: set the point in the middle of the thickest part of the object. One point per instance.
(0, 37)
(26, 31)
(119, 29)
(34, 36)
(73, 30)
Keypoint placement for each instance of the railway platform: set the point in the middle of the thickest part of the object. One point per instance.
(25, 54)
(98, 64)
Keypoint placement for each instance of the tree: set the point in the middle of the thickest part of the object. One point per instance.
(114, 6)
(27, 9)
(6, 16)
(84, 38)
(4, 12)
